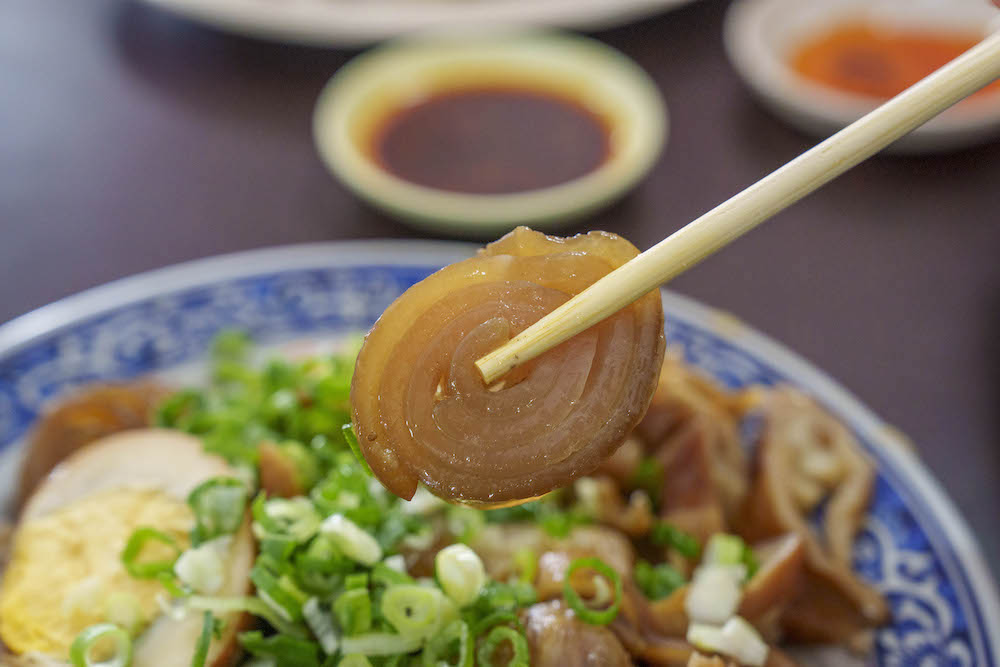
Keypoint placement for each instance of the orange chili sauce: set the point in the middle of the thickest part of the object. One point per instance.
(880, 62)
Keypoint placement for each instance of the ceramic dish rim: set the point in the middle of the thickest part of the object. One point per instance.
(819, 109)
(643, 131)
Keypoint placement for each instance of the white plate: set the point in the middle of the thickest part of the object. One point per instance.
(359, 22)
(914, 545)
(760, 34)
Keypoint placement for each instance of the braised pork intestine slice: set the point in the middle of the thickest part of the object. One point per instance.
(423, 413)
(691, 430)
(806, 457)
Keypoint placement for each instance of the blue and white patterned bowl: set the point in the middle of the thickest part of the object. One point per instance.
(914, 546)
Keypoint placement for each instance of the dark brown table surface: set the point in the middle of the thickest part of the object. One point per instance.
(130, 139)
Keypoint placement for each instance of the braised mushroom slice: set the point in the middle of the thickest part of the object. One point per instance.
(806, 457)
(424, 414)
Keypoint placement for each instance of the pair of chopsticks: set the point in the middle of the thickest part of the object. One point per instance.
(968, 73)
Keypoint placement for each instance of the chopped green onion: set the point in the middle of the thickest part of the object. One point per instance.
(357, 580)
(726, 549)
(526, 561)
(275, 585)
(499, 635)
(204, 640)
(392, 570)
(497, 596)
(657, 581)
(493, 619)
(665, 534)
(294, 518)
(451, 646)
(585, 613)
(353, 610)
(354, 660)
(465, 523)
(95, 639)
(414, 610)
(648, 476)
(352, 441)
(218, 506)
(231, 345)
(380, 643)
(460, 572)
(135, 546)
(221, 606)
(201, 568)
(320, 623)
(286, 651)
(354, 542)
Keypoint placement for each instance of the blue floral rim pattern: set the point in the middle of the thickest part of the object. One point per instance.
(942, 601)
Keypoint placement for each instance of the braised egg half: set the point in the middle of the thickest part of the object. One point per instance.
(66, 572)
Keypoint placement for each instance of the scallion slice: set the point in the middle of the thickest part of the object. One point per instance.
(353, 610)
(218, 506)
(576, 603)
(379, 643)
(451, 646)
(221, 606)
(412, 609)
(95, 639)
(137, 542)
(666, 534)
(201, 648)
(499, 635)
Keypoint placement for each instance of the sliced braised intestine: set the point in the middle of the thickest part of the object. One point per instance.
(557, 638)
(803, 447)
(691, 430)
(775, 586)
(423, 413)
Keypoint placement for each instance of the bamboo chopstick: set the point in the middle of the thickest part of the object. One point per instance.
(689, 245)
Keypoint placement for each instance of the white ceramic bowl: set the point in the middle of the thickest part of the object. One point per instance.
(760, 34)
(592, 74)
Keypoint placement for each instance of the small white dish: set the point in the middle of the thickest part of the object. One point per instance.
(592, 75)
(760, 35)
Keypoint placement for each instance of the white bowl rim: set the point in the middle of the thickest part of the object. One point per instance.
(643, 133)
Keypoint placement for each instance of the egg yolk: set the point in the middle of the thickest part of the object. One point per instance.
(66, 564)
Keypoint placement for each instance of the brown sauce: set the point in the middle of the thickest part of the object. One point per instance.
(491, 141)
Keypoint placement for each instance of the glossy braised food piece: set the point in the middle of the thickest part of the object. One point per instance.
(423, 413)
(82, 418)
(71, 535)
(691, 431)
(558, 638)
(804, 458)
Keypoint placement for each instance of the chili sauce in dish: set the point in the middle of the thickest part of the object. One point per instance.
(876, 61)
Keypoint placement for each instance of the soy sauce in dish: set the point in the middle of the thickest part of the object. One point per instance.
(491, 141)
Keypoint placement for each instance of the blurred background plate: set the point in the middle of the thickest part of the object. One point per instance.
(359, 22)
(914, 546)
(761, 37)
